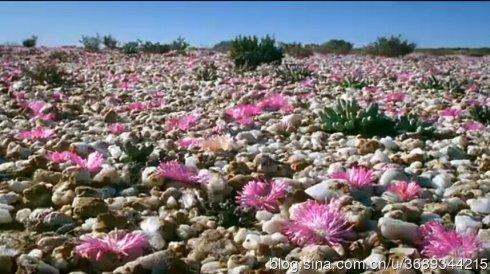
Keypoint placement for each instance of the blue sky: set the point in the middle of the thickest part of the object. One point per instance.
(429, 24)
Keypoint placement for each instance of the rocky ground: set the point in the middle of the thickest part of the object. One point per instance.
(154, 147)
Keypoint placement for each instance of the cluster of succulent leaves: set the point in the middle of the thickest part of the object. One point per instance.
(137, 153)
(480, 114)
(354, 83)
(30, 42)
(297, 50)
(348, 117)
(247, 52)
(47, 73)
(228, 213)
(451, 85)
(292, 73)
(206, 72)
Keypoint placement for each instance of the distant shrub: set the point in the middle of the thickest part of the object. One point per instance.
(391, 47)
(91, 43)
(130, 48)
(335, 46)
(297, 50)
(223, 46)
(30, 42)
(179, 44)
(47, 73)
(149, 47)
(109, 42)
(249, 53)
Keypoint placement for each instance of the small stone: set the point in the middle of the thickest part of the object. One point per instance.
(481, 205)
(150, 177)
(107, 175)
(5, 216)
(397, 230)
(252, 241)
(392, 174)
(88, 207)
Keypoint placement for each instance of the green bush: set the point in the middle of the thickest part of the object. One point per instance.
(391, 47)
(335, 46)
(223, 46)
(30, 42)
(480, 114)
(297, 50)
(91, 43)
(130, 48)
(248, 53)
(179, 45)
(149, 47)
(349, 118)
(354, 83)
(109, 42)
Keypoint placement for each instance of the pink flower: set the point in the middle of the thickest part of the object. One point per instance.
(175, 171)
(124, 245)
(356, 177)
(261, 195)
(452, 112)
(138, 106)
(37, 108)
(473, 126)
(92, 164)
(117, 128)
(188, 142)
(61, 157)
(405, 191)
(244, 114)
(183, 123)
(405, 76)
(36, 134)
(275, 102)
(314, 223)
(440, 243)
(58, 96)
(395, 97)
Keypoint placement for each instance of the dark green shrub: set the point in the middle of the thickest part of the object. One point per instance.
(179, 44)
(297, 50)
(349, 118)
(137, 153)
(130, 48)
(47, 73)
(292, 73)
(109, 42)
(248, 53)
(30, 42)
(223, 46)
(480, 114)
(391, 47)
(91, 43)
(335, 46)
(62, 56)
(149, 47)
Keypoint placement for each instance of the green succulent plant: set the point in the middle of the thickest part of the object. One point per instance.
(292, 73)
(228, 213)
(349, 118)
(480, 114)
(137, 153)
(354, 83)
(452, 85)
(411, 123)
(207, 72)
